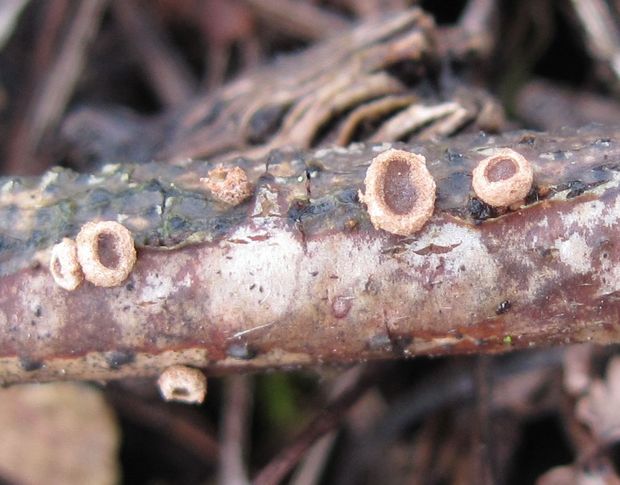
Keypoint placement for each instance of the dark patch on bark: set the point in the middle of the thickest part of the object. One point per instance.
(118, 358)
(503, 307)
(480, 211)
(577, 188)
(30, 365)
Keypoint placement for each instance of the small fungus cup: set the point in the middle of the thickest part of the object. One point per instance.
(503, 179)
(64, 265)
(183, 384)
(229, 185)
(400, 192)
(106, 252)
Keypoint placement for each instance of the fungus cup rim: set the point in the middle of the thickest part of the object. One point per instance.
(381, 215)
(191, 380)
(65, 254)
(504, 192)
(230, 185)
(88, 253)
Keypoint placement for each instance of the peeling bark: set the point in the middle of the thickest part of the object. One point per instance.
(297, 275)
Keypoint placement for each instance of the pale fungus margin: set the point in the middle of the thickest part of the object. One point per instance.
(106, 252)
(64, 265)
(503, 179)
(399, 192)
(228, 185)
(182, 384)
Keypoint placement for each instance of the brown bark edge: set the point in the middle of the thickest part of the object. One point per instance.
(298, 276)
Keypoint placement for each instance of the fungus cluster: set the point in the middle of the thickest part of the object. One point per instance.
(103, 253)
(183, 384)
(503, 179)
(400, 192)
(229, 185)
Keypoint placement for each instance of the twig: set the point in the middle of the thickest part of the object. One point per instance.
(170, 77)
(300, 19)
(424, 450)
(475, 33)
(52, 18)
(237, 407)
(449, 386)
(298, 275)
(313, 464)
(9, 15)
(548, 105)
(227, 25)
(51, 98)
(601, 32)
(329, 419)
(372, 8)
(309, 471)
(159, 416)
(483, 435)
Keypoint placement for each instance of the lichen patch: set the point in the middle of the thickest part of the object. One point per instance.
(251, 276)
(584, 216)
(608, 276)
(467, 264)
(575, 252)
(613, 215)
(157, 287)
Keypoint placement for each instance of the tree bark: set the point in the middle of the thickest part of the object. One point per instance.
(298, 276)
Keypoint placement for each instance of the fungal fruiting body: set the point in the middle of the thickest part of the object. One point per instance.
(183, 384)
(503, 179)
(400, 192)
(106, 252)
(64, 265)
(229, 185)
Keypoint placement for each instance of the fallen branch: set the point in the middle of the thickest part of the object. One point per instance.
(297, 275)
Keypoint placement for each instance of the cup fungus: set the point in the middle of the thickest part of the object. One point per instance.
(106, 252)
(64, 265)
(183, 384)
(400, 192)
(503, 179)
(229, 185)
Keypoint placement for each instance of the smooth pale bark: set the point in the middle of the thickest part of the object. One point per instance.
(298, 276)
